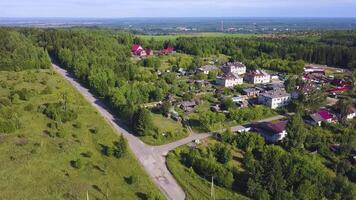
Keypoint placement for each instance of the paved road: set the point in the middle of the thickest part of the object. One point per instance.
(152, 158)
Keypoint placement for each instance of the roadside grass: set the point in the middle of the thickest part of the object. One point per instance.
(36, 164)
(168, 129)
(196, 187)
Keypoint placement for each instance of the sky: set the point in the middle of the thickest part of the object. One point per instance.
(177, 8)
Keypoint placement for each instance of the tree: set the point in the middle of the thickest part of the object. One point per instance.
(296, 133)
(222, 153)
(209, 118)
(142, 122)
(120, 147)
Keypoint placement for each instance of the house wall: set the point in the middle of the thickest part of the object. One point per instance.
(274, 102)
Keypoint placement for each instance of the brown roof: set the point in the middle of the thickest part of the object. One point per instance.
(228, 76)
(274, 128)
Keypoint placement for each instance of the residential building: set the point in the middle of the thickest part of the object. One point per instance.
(322, 115)
(274, 98)
(187, 106)
(166, 51)
(258, 77)
(350, 113)
(206, 69)
(237, 68)
(137, 50)
(250, 92)
(272, 131)
(229, 80)
(149, 52)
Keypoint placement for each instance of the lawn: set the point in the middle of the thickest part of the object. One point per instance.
(169, 131)
(196, 187)
(36, 159)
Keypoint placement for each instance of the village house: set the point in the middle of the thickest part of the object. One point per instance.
(149, 52)
(274, 98)
(137, 50)
(250, 92)
(206, 69)
(272, 131)
(166, 51)
(187, 106)
(229, 80)
(258, 77)
(314, 69)
(322, 115)
(350, 113)
(234, 67)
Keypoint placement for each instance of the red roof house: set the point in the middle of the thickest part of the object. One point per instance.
(136, 47)
(167, 50)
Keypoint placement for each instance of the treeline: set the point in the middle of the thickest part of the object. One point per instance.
(290, 49)
(282, 54)
(17, 52)
(101, 60)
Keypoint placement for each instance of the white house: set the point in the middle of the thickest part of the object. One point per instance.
(273, 131)
(234, 67)
(258, 77)
(229, 80)
(274, 98)
(206, 69)
(350, 113)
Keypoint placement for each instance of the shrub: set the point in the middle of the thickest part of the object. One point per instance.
(59, 112)
(77, 125)
(76, 163)
(87, 154)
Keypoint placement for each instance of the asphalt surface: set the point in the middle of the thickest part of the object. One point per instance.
(152, 158)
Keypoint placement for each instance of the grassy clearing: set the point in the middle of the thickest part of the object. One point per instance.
(194, 186)
(203, 34)
(36, 165)
(169, 131)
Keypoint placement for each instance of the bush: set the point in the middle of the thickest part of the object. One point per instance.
(77, 125)
(76, 163)
(59, 112)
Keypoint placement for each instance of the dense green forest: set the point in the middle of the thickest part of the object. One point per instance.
(279, 52)
(17, 52)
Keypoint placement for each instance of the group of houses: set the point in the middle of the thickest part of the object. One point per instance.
(235, 73)
(325, 115)
(138, 50)
(316, 75)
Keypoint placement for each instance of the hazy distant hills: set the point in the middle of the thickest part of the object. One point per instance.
(171, 25)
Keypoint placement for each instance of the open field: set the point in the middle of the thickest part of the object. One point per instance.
(169, 131)
(37, 159)
(203, 34)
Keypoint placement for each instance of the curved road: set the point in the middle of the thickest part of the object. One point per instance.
(152, 158)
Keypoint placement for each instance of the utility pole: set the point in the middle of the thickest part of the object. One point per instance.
(212, 193)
